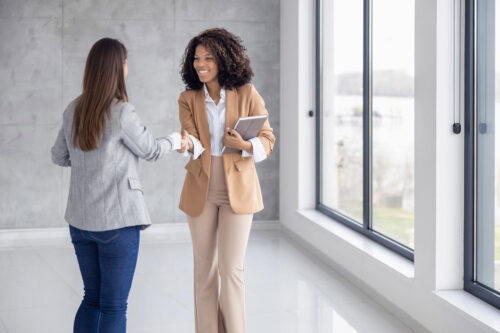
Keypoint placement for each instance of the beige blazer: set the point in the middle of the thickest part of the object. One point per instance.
(241, 177)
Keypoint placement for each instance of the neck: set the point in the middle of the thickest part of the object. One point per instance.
(213, 89)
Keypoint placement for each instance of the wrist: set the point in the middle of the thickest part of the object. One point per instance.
(247, 145)
(190, 143)
(175, 140)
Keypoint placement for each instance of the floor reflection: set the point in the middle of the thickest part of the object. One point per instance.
(287, 290)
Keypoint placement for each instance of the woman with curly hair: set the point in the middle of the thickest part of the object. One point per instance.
(221, 191)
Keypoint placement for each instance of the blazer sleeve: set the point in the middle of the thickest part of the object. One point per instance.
(186, 118)
(139, 139)
(257, 108)
(60, 152)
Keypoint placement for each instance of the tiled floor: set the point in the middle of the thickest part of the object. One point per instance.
(288, 290)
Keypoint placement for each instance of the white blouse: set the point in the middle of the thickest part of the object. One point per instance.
(216, 114)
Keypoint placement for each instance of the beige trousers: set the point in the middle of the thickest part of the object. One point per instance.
(220, 240)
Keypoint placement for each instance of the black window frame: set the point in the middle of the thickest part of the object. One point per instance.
(472, 286)
(366, 228)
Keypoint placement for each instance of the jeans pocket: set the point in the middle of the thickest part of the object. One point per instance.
(105, 236)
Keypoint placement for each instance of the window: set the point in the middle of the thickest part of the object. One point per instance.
(482, 154)
(365, 111)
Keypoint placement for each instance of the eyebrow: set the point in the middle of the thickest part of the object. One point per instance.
(208, 54)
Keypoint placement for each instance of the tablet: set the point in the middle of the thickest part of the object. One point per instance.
(248, 127)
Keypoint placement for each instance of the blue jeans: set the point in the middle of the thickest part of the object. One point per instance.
(107, 262)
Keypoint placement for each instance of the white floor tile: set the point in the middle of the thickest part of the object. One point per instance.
(287, 290)
(177, 328)
(272, 322)
(63, 261)
(53, 319)
(33, 283)
(370, 317)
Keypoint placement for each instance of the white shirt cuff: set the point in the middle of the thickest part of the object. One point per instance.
(175, 140)
(259, 154)
(197, 148)
(167, 145)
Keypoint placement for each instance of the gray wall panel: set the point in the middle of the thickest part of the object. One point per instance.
(43, 47)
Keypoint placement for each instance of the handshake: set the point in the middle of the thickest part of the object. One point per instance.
(186, 142)
(180, 141)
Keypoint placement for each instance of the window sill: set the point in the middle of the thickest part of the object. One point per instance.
(371, 248)
(471, 306)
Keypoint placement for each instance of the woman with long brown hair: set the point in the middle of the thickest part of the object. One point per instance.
(102, 139)
(221, 191)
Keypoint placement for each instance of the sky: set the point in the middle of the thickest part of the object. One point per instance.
(393, 34)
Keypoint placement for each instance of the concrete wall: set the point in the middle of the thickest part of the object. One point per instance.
(43, 47)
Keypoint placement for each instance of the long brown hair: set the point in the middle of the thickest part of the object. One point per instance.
(103, 80)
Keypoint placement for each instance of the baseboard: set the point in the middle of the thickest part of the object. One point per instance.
(174, 231)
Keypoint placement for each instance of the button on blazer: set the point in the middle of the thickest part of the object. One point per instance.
(242, 182)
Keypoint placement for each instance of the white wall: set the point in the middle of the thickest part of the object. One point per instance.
(427, 294)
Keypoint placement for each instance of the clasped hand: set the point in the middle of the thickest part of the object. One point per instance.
(186, 142)
(233, 139)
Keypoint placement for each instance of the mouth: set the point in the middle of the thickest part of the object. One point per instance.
(202, 72)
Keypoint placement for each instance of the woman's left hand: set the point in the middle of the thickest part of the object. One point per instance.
(233, 139)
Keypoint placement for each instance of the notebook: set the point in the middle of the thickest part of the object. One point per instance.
(248, 127)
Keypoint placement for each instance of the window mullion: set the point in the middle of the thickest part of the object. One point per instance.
(367, 114)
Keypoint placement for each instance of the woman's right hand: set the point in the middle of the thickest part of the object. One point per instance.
(187, 143)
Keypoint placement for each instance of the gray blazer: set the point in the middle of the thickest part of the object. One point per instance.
(105, 192)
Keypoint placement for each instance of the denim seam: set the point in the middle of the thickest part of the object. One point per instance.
(104, 241)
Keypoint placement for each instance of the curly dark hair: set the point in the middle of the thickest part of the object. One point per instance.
(232, 61)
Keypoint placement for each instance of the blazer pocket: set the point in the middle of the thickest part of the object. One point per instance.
(194, 166)
(135, 184)
(244, 164)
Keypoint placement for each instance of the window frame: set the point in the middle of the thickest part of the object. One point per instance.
(365, 228)
(472, 286)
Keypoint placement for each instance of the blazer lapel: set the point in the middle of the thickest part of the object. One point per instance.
(231, 108)
(203, 130)
(201, 108)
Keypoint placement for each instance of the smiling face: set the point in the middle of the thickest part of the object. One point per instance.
(205, 64)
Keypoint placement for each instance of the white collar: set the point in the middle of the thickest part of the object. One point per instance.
(207, 95)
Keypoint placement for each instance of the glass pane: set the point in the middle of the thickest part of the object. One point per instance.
(342, 118)
(488, 158)
(497, 152)
(393, 119)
